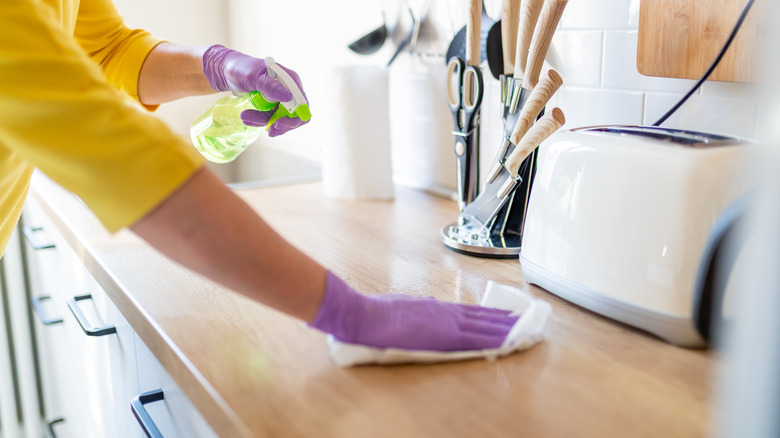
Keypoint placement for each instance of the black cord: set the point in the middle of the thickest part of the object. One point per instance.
(715, 63)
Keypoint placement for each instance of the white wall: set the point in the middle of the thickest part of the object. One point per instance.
(596, 45)
(196, 22)
(594, 49)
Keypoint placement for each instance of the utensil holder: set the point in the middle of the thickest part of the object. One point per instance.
(502, 237)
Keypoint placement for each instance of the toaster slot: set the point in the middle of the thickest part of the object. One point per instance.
(677, 136)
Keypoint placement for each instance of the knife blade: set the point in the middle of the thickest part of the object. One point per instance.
(497, 189)
(535, 101)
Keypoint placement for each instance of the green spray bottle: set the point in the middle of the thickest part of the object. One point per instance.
(221, 136)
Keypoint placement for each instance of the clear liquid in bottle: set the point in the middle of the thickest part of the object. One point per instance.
(219, 134)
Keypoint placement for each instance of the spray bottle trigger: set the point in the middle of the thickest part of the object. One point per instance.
(278, 73)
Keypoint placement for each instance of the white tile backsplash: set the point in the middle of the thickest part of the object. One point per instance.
(577, 57)
(594, 49)
(620, 49)
(587, 107)
(733, 89)
(601, 14)
(625, 96)
(718, 114)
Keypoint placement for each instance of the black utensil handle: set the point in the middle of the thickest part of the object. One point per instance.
(38, 307)
(142, 416)
(50, 426)
(88, 328)
(29, 235)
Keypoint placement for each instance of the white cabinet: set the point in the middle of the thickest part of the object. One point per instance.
(171, 413)
(47, 295)
(19, 401)
(104, 351)
(91, 362)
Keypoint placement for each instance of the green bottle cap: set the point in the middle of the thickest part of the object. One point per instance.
(259, 102)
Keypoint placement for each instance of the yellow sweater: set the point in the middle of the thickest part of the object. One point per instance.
(62, 66)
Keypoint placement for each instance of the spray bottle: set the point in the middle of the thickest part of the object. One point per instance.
(221, 136)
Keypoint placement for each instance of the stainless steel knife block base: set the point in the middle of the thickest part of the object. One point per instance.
(491, 246)
(502, 237)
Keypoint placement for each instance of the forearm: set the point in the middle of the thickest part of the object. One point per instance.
(172, 71)
(209, 229)
(206, 227)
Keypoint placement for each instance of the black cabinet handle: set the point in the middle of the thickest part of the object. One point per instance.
(51, 424)
(38, 307)
(137, 406)
(88, 328)
(29, 235)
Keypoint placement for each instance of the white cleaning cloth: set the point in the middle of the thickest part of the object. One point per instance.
(527, 331)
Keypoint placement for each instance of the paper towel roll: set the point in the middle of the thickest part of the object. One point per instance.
(423, 147)
(356, 160)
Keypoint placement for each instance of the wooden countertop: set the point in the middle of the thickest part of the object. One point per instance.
(252, 371)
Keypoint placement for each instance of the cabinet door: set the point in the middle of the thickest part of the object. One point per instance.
(105, 348)
(172, 415)
(44, 281)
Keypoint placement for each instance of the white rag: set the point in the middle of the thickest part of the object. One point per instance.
(527, 331)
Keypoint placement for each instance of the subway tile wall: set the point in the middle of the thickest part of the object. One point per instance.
(594, 49)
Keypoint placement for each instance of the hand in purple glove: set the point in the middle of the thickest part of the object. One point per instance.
(229, 70)
(261, 118)
(398, 321)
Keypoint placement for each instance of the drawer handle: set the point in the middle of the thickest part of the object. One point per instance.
(29, 235)
(38, 307)
(52, 433)
(88, 328)
(142, 416)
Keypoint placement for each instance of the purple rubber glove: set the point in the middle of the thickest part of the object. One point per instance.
(261, 118)
(229, 70)
(399, 321)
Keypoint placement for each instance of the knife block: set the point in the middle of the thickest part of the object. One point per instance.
(505, 232)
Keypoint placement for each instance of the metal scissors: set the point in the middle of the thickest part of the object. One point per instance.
(464, 95)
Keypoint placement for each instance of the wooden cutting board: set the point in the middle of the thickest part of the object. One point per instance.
(681, 38)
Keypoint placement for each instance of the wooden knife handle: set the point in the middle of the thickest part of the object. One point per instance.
(474, 33)
(550, 16)
(538, 133)
(538, 98)
(529, 15)
(510, 15)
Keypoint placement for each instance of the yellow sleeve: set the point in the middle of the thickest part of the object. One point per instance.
(119, 51)
(61, 115)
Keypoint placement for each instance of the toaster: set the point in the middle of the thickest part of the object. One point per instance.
(627, 221)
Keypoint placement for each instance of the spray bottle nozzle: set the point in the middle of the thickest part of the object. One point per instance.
(298, 106)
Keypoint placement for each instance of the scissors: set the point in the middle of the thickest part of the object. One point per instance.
(464, 96)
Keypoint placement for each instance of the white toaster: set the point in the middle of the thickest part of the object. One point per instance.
(627, 221)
